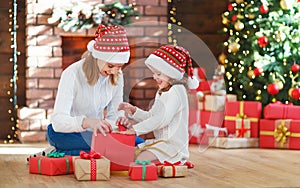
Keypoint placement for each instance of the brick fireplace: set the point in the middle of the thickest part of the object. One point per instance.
(46, 59)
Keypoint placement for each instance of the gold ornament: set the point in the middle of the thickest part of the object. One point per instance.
(239, 1)
(279, 84)
(225, 20)
(286, 4)
(251, 74)
(251, 16)
(222, 58)
(239, 25)
(290, 91)
(233, 47)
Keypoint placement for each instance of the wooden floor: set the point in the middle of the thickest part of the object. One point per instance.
(213, 168)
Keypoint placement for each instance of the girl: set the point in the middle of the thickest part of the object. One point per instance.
(168, 117)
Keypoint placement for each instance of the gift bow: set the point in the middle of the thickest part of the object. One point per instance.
(281, 133)
(143, 163)
(90, 155)
(56, 154)
(166, 163)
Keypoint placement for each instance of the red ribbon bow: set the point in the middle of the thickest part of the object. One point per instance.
(90, 155)
(166, 163)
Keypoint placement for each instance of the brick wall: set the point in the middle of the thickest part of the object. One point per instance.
(44, 58)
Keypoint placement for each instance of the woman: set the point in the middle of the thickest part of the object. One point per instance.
(89, 93)
(168, 117)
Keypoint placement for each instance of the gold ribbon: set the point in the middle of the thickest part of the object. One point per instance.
(241, 115)
(151, 146)
(281, 133)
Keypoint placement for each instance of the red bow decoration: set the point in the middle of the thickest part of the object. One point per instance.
(90, 155)
(166, 163)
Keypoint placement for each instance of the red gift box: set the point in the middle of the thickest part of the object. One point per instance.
(51, 166)
(281, 133)
(212, 118)
(250, 110)
(116, 147)
(281, 111)
(142, 170)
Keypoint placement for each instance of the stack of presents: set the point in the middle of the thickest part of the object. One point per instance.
(104, 161)
(218, 120)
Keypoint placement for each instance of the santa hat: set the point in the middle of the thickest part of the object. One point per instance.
(173, 61)
(110, 45)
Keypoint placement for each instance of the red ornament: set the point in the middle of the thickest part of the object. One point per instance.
(273, 89)
(262, 41)
(296, 93)
(234, 17)
(295, 68)
(230, 7)
(258, 71)
(264, 9)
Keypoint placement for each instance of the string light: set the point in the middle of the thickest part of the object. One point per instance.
(11, 138)
(173, 20)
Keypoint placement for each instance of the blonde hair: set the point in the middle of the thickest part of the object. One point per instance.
(91, 70)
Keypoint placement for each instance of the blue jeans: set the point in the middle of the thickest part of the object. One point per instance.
(73, 143)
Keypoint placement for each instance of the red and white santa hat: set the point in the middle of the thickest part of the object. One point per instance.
(173, 61)
(110, 45)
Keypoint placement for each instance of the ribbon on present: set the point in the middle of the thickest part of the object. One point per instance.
(281, 132)
(56, 154)
(241, 129)
(92, 155)
(166, 163)
(144, 168)
(241, 115)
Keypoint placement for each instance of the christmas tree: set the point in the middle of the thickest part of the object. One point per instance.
(262, 52)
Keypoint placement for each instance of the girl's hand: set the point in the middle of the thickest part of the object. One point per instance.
(124, 121)
(129, 109)
(98, 125)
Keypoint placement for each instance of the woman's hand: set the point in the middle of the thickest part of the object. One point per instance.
(128, 108)
(98, 125)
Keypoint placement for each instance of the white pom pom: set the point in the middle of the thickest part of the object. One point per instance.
(90, 45)
(193, 83)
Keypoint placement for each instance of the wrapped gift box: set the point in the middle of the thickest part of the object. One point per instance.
(142, 170)
(281, 133)
(215, 102)
(281, 111)
(92, 169)
(51, 166)
(172, 170)
(116, 147)
(212, 118)
(231, 143)
(250, 110)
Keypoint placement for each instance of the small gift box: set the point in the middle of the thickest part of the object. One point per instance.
(247, 110)
(142, 170)
(116, 147)
(281, 133)
(172, 169)
(242, 128)
(215, 103)
(281, 111)
(91, 166)
(54, 164)
(231, 143)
